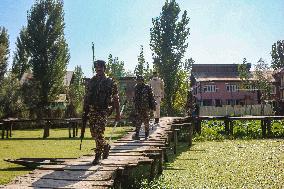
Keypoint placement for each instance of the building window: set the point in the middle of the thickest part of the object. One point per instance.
(210, 88)
(232, 88)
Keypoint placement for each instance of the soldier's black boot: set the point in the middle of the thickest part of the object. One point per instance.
(136, 136)
(106, 151)
(156, 120)
(146, 135)
(97, 159)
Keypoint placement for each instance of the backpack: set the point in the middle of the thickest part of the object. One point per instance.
(144, 97)
(100, 92)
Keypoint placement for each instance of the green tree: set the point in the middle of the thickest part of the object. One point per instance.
(48, 48)
(142, 68)
(277, 55)
(31, 98)
(77, 89)
(262, 81)
(4, 52)
(245, 74)
(115, 67)
(10, 97)
(21, 55)
(168, 43)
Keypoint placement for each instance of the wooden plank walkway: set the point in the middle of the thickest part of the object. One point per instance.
(127, 157)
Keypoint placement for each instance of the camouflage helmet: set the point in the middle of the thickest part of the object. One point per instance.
(100, 63)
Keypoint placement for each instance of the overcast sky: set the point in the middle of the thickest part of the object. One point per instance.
(221, 31)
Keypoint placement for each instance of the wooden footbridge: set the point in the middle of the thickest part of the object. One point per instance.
(128, 160)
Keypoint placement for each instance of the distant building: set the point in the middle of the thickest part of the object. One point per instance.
(220, 84)
(62, 98)
(278, 76)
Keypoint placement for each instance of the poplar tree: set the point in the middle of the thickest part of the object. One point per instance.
(142, 68)
(115, 68)
(77, 89)
(262, 81)
(49, 54)
(168, 43)
(4, 52)
(21, 55)
(245, 75)
(277, 55)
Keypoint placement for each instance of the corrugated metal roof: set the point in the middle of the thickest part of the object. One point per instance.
(222, 72)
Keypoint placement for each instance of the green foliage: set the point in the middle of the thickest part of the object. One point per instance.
(31, 97)
(48, 48)
(244, 73)
(142, 68)
(277, 55)
(278, 129)
(211, 131)
(21, 56)
(115, 68)
(181, 93)
(4, 52)
(263, 81)
(227, 164)
(168, 43)
(215, 130)
(157, 183)
(77, 89)
(10, 97)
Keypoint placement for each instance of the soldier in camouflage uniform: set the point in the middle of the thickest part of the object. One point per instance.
(102, 93)
(144, 102)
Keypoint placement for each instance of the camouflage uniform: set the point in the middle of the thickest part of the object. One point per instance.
(99, 97)
(144, 103)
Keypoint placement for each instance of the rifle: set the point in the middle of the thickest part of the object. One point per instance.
(84, 123)
(116, 122)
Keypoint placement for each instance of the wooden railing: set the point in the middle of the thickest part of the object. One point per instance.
(7, 125)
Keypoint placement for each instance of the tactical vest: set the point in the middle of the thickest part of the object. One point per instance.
(100, 92)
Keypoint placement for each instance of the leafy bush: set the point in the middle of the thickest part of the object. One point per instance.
(157, 183)
(215, 130)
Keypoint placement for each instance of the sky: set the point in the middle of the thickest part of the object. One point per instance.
(221, 31)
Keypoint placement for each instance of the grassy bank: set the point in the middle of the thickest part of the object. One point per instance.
(225, 164)
(29, 143)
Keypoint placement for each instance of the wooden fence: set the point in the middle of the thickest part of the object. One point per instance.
(236, 110)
